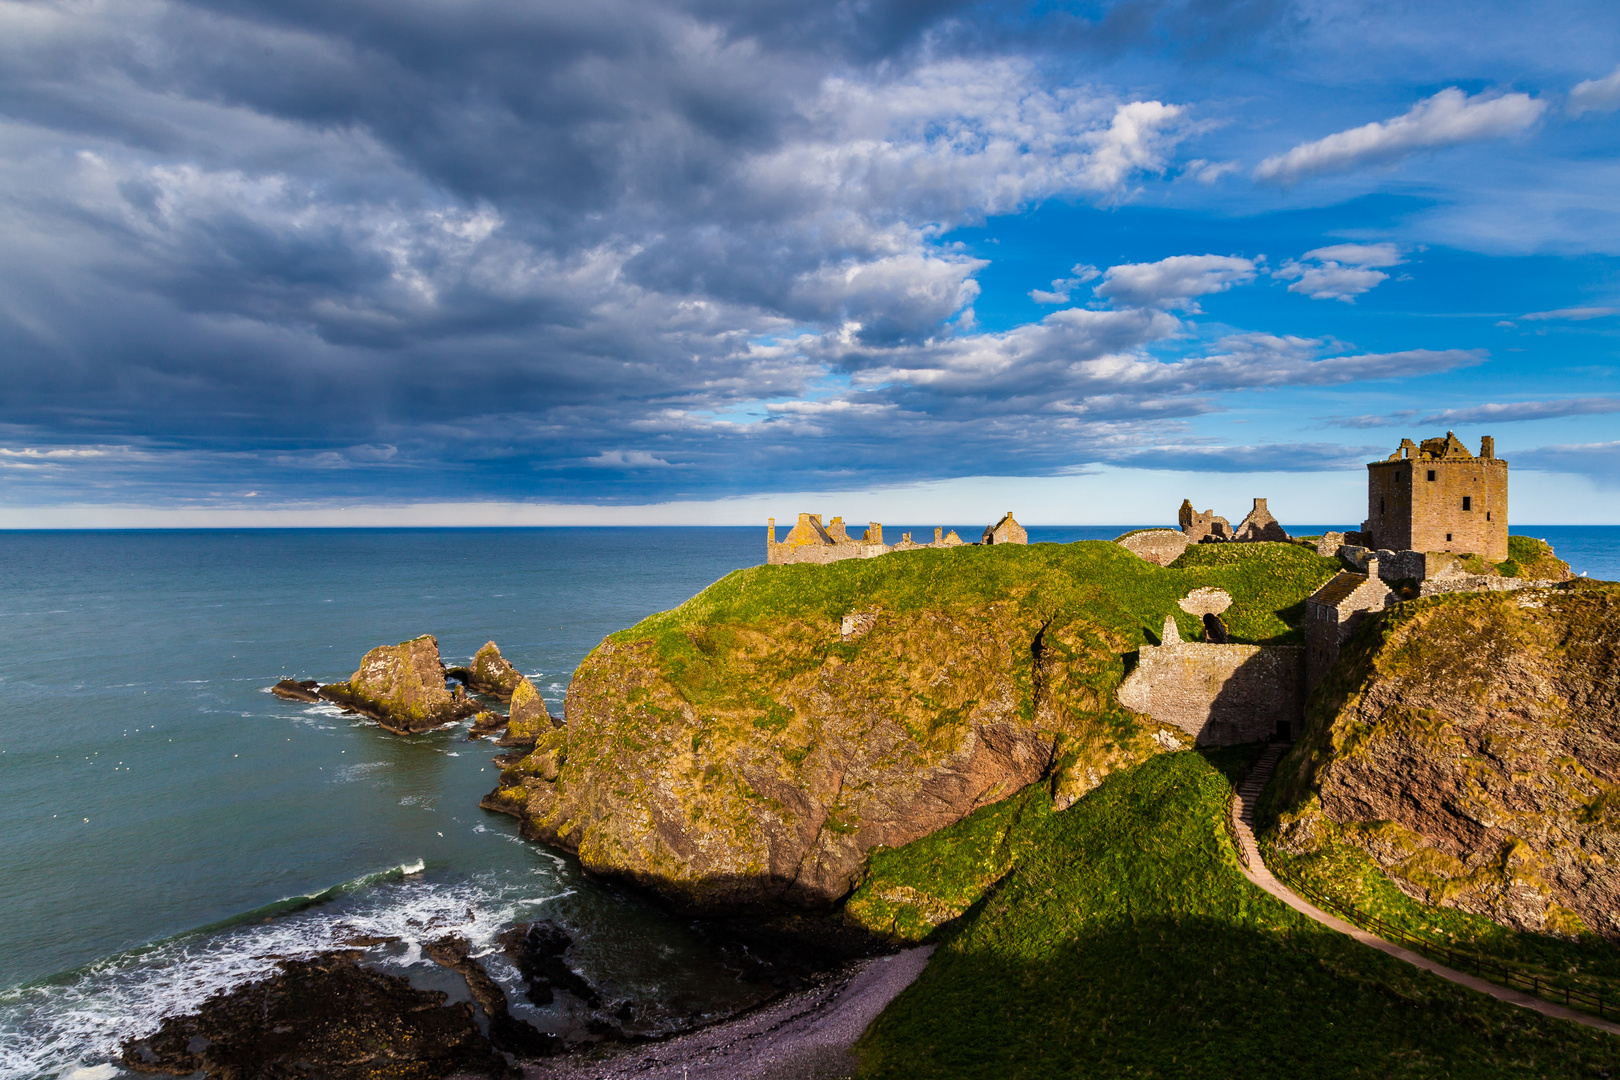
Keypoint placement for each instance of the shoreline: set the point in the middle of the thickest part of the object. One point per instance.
(803, 1035)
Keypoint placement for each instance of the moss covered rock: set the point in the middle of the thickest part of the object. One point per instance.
(402, 688)
(490, 673)
(744, 749)
(529, 719)
(1470, 745)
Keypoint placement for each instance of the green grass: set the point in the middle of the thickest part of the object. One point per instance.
(1095, 579)
(1125, 942)
(908, 892)
(1350, 876)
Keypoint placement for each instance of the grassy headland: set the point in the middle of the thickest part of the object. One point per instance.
(1125, 942)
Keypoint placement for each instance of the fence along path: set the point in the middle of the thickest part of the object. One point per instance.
(1242, 822)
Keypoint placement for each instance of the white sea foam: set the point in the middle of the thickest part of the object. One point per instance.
(70, 1027)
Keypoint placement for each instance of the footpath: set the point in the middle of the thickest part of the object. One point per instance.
(1243, 806)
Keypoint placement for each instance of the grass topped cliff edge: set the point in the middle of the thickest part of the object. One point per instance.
(752, 745)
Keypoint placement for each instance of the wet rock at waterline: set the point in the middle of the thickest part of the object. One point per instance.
(297, 690)
(327, 1017)
(402, 688)
(506, 1031)
(537, 949)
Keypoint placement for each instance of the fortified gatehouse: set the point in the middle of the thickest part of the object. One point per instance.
(1438, 497)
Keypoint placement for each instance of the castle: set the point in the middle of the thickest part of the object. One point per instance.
(1429, 505)
(809, 541)
(1438, 497)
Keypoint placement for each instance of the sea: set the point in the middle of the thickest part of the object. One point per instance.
(169, 829)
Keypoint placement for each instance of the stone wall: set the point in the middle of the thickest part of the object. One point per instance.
(1439, 497)
(1221, 695)
(1161, 547)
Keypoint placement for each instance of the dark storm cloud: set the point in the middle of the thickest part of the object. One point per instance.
(603, 251)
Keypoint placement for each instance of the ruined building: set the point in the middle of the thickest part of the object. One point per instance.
(1207, 528)
(1333, 612)
(1438, 497)
(809, 541)
(1005, 531)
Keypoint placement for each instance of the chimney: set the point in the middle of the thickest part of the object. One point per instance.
(1487, 446)
(1260, 504)
(939, 534)
(770, 535)
(1372, 567)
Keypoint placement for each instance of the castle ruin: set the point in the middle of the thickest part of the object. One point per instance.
(809, 541)
(1436, 496)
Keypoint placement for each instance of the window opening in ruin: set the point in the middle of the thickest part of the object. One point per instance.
(1487, 515)
(1431, 474)
(1448, 538)
(1468, 502)
(1380, 505)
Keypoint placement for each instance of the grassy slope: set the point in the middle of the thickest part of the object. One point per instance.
(1096, 579)
(1126, 943)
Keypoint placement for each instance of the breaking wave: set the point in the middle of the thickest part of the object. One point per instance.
(69, 1026)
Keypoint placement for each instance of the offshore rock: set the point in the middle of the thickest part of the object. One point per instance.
(490, 673)
(762, 769)
(1469, 743)
(529, 718)
(327, 1017)
(402, 688)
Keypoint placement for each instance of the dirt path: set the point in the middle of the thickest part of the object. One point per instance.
(805, 1036)
(1255, 870)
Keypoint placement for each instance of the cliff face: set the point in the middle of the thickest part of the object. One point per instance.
(755, 744)
(1470, 744)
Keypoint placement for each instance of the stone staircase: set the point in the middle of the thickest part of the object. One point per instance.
(1248, 794)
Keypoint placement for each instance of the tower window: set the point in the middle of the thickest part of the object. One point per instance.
(1487, 515)
(1431, 474)
(1448, 538)
(1380, 504)
(1468, 502)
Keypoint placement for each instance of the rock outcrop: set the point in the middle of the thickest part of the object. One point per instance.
(490, 673)
(297, 690)
(529, 719)
(326, 1017)
(1470, 745)
(402, 688)
(798, 758)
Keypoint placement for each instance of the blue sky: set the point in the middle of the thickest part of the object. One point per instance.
(355, 262)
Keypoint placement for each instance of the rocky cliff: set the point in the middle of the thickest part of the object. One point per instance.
(753, 745)
(402, 688)
(1470, 745)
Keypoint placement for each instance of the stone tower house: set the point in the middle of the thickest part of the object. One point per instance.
(1439, 497)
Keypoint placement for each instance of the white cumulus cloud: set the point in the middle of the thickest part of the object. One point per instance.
(1339, 271)
(1175, 282)
(1447, 118)
(1596, 95)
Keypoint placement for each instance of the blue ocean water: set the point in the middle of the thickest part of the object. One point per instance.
(169, 827)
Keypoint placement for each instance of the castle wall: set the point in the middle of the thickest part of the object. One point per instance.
(1221, 695)
(1406, 510)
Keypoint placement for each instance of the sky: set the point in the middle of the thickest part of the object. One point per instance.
(532, 262)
